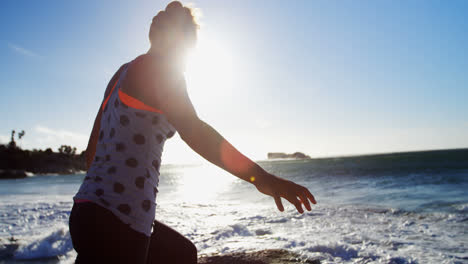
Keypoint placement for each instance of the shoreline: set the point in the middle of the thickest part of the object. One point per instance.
(20, 164)
(266, 256)
(22, 174)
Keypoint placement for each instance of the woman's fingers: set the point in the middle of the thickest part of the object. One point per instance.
(305, 201)
(279, 204)
(310, 196)
(295, 194)
(293, 200)
(298, 205)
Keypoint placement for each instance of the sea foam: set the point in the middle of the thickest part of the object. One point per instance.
(398, 212)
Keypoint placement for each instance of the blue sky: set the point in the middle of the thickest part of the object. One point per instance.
(322, 77)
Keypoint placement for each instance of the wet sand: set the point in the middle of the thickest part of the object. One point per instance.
(269, 256)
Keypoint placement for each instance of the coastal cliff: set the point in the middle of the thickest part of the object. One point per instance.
(17, 163)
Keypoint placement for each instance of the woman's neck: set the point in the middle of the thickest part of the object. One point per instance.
(174, 59)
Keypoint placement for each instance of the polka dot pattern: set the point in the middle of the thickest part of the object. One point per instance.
(104, 202)
(120, 147)
(155, 164)
(124, 120)
(140, 182)
(139, 139)
(129, 139)
(159, 138)
(146, 205)
(118, 187)
(170, 134)
(139, 114)
(124, 209)
(99, 192)
(112, 170)
(131, 162)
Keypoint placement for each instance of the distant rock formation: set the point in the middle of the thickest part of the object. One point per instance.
(282, 155)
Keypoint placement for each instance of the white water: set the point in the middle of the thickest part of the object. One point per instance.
(221, 214)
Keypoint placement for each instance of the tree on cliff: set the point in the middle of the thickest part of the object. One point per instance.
(12, 143)
(13, 159)
(21, 134)
(68, 150)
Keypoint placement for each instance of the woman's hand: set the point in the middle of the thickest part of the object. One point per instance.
(278, 187)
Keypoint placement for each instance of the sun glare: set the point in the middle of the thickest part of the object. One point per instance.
(210, 70)
(203, 184)
(209, 74)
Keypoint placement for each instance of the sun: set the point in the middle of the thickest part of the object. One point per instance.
(210, 70)
(203, 184)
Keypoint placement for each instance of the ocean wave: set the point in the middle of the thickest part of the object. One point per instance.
(461, 207)
(256, 218)
(278, 220)
(399, 260)
(358, 219)
(232, 230)
(262, 232)
(344, 252)
(52, 245)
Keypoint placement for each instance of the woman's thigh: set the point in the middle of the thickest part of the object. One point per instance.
(98, 236)
(168, 246)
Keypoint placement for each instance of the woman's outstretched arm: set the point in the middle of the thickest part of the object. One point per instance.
(173, 100)
(207, 142)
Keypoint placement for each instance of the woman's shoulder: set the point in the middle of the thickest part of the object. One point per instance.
(140, 63)
(149, 62)
(141, 71)
(148, 67)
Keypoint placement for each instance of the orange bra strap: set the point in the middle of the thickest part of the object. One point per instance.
(135, 103)
(128, 100)
(107, 99)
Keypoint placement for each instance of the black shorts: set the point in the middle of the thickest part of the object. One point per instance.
(98, 236)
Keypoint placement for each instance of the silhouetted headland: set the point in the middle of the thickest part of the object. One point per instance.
(18, 163)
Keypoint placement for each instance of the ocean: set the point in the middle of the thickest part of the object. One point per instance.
(390, 208)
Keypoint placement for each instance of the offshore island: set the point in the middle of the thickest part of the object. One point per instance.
(282, 155)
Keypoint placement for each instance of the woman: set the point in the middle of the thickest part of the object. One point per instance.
(145, 103)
